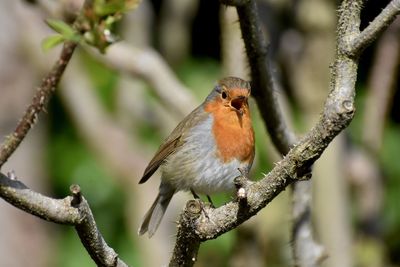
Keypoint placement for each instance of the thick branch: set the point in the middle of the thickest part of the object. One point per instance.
(356, 44)
(72, 210)
(187, 243)
(38, 104)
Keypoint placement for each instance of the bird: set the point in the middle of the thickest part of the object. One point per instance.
(206, 151)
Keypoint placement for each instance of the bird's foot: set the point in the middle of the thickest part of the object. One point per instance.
(201, 203)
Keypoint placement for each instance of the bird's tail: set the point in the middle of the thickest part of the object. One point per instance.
(153, 217)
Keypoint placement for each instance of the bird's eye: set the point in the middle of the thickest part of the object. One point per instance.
(224, 95)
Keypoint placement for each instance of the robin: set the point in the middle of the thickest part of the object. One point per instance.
(206, 151)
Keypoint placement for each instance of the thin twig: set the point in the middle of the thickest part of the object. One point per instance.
(71, 210)
(38, 104)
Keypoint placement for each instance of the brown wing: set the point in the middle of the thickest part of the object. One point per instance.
(163, 152)
(173, 141)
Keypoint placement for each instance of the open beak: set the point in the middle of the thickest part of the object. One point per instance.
(237, 103)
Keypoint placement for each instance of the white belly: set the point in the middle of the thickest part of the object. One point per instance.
(196, 165)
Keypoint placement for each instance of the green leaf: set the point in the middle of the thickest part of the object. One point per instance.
(62, 28)
(52, 41)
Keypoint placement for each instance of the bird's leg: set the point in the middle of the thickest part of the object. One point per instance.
(196, 196)
(200, 202)
(211, 202)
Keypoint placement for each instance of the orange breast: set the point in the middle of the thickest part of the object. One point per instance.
(234, 135)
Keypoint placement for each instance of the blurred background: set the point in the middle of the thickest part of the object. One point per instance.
(112, 111)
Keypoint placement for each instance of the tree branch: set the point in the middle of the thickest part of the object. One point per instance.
(356, 44)
(71, 210)
(187, 243)
(38, 104)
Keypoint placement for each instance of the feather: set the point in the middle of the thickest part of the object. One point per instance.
(173, 141)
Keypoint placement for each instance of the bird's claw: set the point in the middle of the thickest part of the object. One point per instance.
(201, 203)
